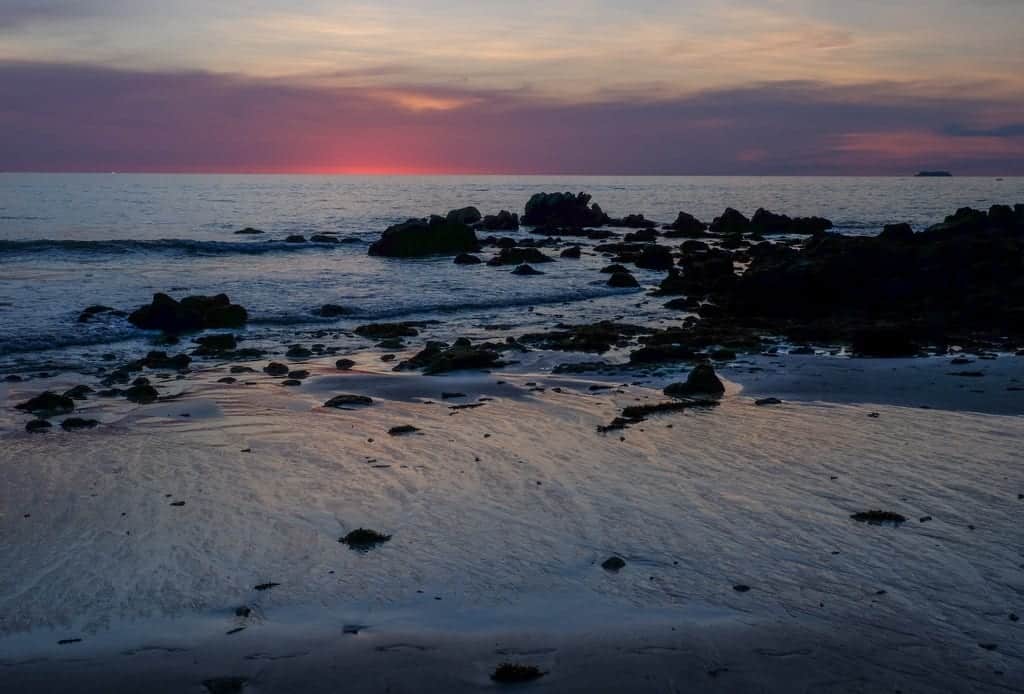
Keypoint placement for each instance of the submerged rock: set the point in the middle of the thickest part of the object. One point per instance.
(78, 392)
(191, 313)
(225, 685)
(47, 404)
(595, 337)
(423, 237)
(572, 253)
(215, 344)
(249, 231)
(332, 311)
(91, 312)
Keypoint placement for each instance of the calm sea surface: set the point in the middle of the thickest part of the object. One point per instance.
(68, 241)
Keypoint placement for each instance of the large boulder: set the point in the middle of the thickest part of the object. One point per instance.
(518, 256)
(503, 221)
(47, 404)
(765, 223)
(563, 209)
(730, 222)
(686, 226)
(423, 237)
(655, 258)
(464, 215)
(190, 314)
(702, 380)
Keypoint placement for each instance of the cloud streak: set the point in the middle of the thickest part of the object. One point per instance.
(59, 117)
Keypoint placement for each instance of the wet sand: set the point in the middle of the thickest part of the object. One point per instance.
(500, 517)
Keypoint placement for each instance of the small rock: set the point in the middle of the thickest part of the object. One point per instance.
(613, 564)
(741, 588)
(37, 425)
(364, 539)
(275, 368)
(78, 423)
(344, 364)
(348, 400)
(402, 430)
(511, 673)
(526, 270)
(767, 401)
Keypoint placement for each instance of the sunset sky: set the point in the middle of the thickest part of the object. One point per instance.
(555, 86)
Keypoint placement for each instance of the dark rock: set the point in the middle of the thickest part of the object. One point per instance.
(47, 404)
(613, 564)
(364, 539)
(622, 280)
(879, 517)
(765, 223)
(883, 341)
(162, 360)
(613, 268)
(78, 423)
(276, 368)
(244, 611)
(655, 258)
(730, 222)
(402, 430)
(215, 344)
(503, 221)
(638, 413)
(37, 425)
(424, 237)
(225, 685)
(191, 313)
(227, 379)
(295, 238)
(324, 238)
(344, 364)
(633, 221)
(563, 209)
(897, 232)
(90, 312)
(242, 370)
(514, 673)
(348, 400)
(298, 352)
(572, 253)
(298, 374)
(741, 588)
(467, 259)
(379, 331)
(78, 392)
(686, 226)
(702, 380)
(526, 270)
(465, 215)
(767, 401)
(291, 382)
(332, 311)
(142, 394)
(249, 231)
(265, 586)
(596, 337)
(518, 256)
(642, 236)
(437, 358)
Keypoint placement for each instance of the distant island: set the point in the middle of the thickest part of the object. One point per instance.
(933, 174)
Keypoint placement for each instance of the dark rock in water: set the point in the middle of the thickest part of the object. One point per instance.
(249, 231)
(298, 352)
(563, 209)
(142, 394)
(332, 311)
(78, 392)
(364, 539)
(37, 425)
(291, 382)
(767, 401)
(298, 374)
(324, 238)
(162, 360)
(437, 358)
(572, 253)
(642, 236)
(423, 237)
(402, 430)
(13, 378)
(348, 400)
(701, 380)
(518, 256)
(466, 215)
(503, 221)
(78, 423)
(225, 685)
(227, 379)
(295, 238)
(613, 268)
(513, 673)
(765, 223)
(730, 222)
(613, 564)
(638, 413)
(686, 226)
(47, 404)
(596, 337)
(883, 341)
(344, 364)
(655, 258)
(879, 517)
(526, 270)
(741, 588)
(276, 368)
(243, 611)
(191, 313)
(215, 344)
(689, 303)
(622, 280)
(467, 259)
(90, 312)
(242, 370)
(391, 343)
(379, 331)
(897, 232)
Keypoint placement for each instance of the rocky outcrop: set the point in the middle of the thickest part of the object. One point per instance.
(503, 221)
(438, 358)
(622, 280)
(424, 237)
(466, 215)
(686, 226)
(765, 223)
(190, 314)
(518, 256)
(563, 209)
(730, 222)
(47, 404)
(702, 380)
(467, 259)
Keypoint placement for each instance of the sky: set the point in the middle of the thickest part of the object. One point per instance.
(690, 87)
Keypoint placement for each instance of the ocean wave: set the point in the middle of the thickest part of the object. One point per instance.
(179, 246)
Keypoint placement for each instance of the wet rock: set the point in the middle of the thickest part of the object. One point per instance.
(638, 413)
(526, 270)
(879, 518)
(215, 344)
(162, 360)
(622, 280)
(348, 400)
(78, 392)
(686, 225)
(78, 423)
(266, 586)
(503, 221)
(291, 382)
(897, 232)
(364, 539)
(465, 215)
(243, 611)
(227, 379)
(741, 588)
(702, 380)
(249, 231)
(332, 311)
(596, 337)
(572, 253)
(424, 237)
(437, 358)
(563, 209)
(613, 564)
(191, 313)
(142, 394)
(391, 343)
(344, 364)
(276, 368)
(298, 374)
(518, 256)
(767, 401)
(242, 370)
(91, 312)
(634, 221)
(764, 222)
(379, 331)
(47, 404)
(883, 341)
(402, 430)
(514, 673)
(467, 259)
(730, 222)
(37, 426)
(324, 238)
(298, 352)
(225, 685)
(295, 238)
(613, 268)
(655, 258)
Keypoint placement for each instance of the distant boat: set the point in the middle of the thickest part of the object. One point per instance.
(933, 174)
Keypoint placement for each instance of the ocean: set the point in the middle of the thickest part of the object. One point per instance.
(71, 240)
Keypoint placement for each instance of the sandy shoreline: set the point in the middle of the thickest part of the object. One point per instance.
(501, 516)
